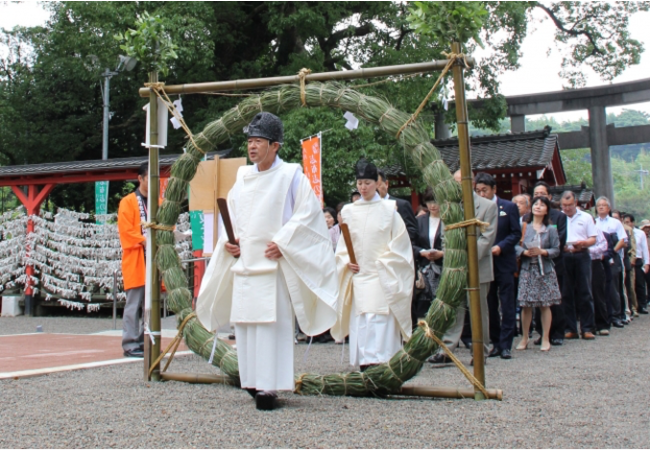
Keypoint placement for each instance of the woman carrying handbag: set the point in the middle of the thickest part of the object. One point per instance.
(538, 286)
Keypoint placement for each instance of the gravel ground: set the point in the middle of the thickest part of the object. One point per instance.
(583, 394)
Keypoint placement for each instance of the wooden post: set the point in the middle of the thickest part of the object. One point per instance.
(32, 202)
(154, 282)
(468, 206)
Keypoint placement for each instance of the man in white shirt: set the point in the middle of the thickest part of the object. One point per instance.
(641, 264)
(610, 225)
(599, 285)
(576, 291)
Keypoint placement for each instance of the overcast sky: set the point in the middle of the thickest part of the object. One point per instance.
(538, 72)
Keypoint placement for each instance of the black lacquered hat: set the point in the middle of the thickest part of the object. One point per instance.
(366, 170)
(267, 126)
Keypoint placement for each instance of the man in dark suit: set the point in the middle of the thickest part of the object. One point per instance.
(558, 219)
(502, 290)
(403, 207)
(406, 212)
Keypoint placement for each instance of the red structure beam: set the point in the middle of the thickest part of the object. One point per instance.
(82, 177)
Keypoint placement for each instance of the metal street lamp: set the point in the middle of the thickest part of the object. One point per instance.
(126, 63)
(101, 187)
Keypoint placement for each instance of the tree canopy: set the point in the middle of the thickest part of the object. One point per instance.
(51, 77)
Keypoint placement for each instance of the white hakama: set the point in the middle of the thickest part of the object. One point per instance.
(266, 349)
(374, 338)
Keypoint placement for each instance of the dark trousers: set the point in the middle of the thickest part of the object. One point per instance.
(599, 291)
(576, 292)
(558, 321)
(639, 285)
(617, 295)
(647, 282)
(503, 320)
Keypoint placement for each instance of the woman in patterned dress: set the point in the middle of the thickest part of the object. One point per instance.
(538, 286)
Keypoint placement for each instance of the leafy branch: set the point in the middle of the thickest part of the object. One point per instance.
(149, 43)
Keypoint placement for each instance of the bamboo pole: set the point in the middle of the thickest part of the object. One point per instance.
(406, 391)
(468, 203)
(154, 174)
(202, 378)
(447, 392)
(256, 83)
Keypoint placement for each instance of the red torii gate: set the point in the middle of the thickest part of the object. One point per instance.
(41, 179)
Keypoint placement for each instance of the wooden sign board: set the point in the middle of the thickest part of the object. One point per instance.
(203, 187)
(213, 179)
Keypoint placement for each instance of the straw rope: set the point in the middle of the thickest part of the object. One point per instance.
(471, 378)
(468, 223)
(302, 74)
(175, 342)
(385, 378)
(453, 57)
(157, 226)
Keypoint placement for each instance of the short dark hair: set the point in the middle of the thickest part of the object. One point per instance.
(381, 174)
(143, 169)
(429, 196)
(629, 216)
(543, 183)
(547, 218)
(353, 194)
(569, 195)
(332, 212)
(485, 178)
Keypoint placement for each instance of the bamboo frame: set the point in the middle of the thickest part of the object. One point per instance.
(462, 118)
(256, 83)
(406, 391)
(154, 182)
(468, 201)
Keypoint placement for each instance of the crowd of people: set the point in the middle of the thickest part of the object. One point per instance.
(544, 266)
(282, 261)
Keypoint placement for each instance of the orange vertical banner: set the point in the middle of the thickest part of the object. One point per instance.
(161, 190)
(311, 163)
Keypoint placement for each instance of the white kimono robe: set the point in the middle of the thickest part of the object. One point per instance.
(256, 293)
(374, 305)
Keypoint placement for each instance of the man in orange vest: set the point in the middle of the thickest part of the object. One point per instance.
(131, 214)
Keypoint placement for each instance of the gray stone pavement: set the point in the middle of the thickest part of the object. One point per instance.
(583, 394)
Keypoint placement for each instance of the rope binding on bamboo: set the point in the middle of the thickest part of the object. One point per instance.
(157, 226)
(174, 343)
(453, 58)
(302, 74)
(468, 223)
(160, 87)
(428, 332)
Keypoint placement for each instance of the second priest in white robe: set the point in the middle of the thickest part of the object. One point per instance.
(374, 305)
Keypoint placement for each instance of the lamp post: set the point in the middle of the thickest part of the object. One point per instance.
(101, 187)
(126, 63)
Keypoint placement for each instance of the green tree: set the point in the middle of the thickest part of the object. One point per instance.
(50, 97)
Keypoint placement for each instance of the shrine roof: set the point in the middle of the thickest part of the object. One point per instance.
(516, 151)
(585, 196)
(85, 171)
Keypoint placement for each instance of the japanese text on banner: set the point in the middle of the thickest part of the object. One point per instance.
(311, 162)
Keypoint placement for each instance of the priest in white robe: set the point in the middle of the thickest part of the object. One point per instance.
(374, 305)
(282, 264)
